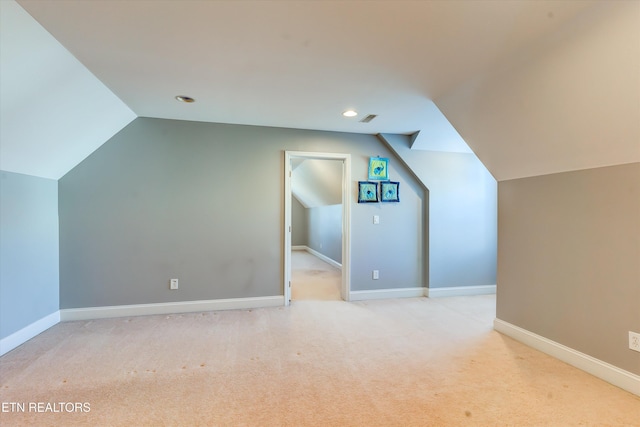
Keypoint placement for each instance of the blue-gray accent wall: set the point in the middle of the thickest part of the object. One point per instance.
(463, 214)
(325, 231)
(29, 287)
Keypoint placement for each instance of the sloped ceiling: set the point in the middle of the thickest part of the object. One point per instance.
(317, 183)
(569, 102)
(53, 111)
(533, 87)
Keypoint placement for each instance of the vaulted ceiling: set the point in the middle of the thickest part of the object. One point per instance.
(533, 87)
(53, 111)
(317, 182)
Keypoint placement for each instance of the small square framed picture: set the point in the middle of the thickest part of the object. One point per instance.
(367, 192)
(390, 191)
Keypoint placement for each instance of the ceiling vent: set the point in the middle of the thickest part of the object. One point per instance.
(368, 118)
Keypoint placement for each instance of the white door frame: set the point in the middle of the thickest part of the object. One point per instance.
(346, 217)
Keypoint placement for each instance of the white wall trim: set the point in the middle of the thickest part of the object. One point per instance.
(387, 294)
(420, 292)
(169, 308)
(603, 370)
(25, 334)
(318, 255)
(460, 291)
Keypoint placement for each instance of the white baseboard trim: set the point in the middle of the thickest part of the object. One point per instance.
(460, 291)
(603, 370)
(25, 334)
(325, 258)
(169, 308)
(318, 254)
(387, 294)
(422, 292)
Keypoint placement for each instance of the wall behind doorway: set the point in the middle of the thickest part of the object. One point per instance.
(316, 186)
(318, 228)
(299, 224)
(325, 231)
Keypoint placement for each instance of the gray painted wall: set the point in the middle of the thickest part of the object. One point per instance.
(325, 231)
(299, 224)
(397, 246)
(204, 203)
(462, 214)
(28, 250)
(569, 259)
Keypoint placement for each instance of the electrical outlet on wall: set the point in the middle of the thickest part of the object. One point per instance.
(173, 284)
(634, 341)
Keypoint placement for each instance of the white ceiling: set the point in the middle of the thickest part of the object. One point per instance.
(299, 64)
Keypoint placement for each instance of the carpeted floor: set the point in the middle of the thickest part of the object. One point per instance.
(314, 279)
(406, 362)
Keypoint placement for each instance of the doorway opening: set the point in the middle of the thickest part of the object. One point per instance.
(314, 277)
(293, 160)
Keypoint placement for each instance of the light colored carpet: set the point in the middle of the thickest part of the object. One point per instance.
(314, 279)
(406, 362)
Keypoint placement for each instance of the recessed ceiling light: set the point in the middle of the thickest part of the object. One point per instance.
(350, 113)
(183, 98)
